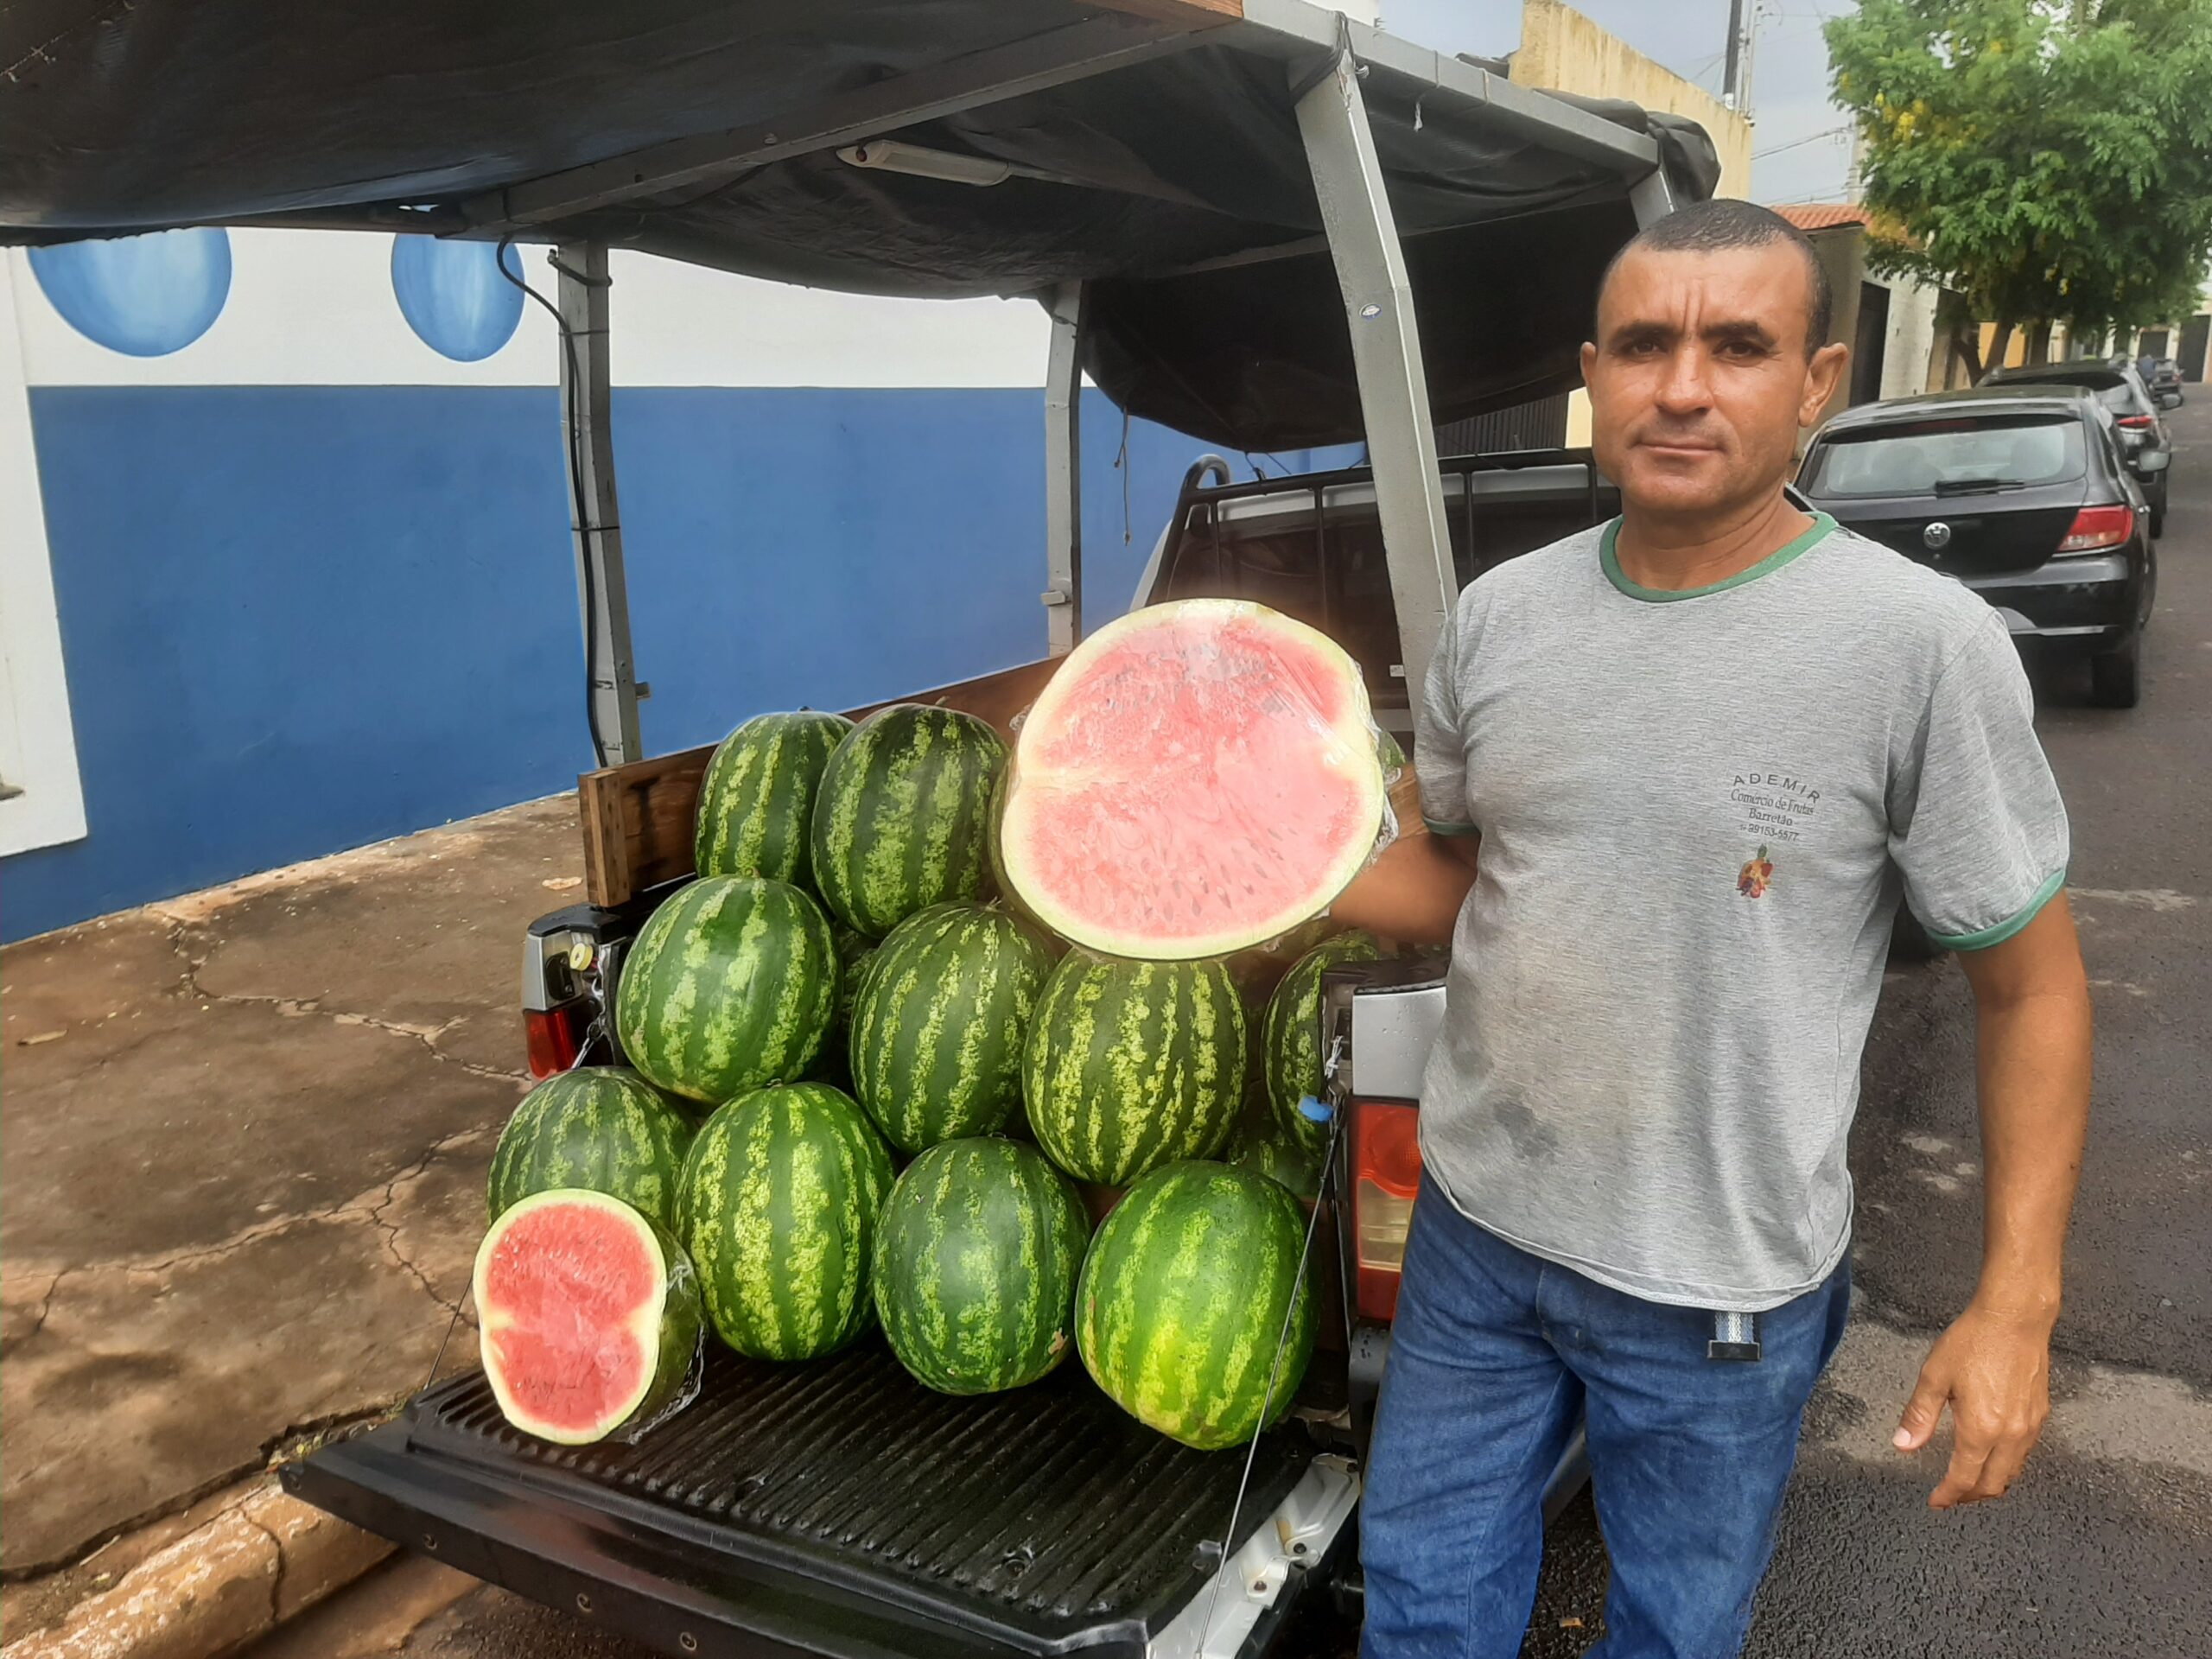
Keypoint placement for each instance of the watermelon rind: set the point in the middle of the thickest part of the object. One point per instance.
(1352, 744)
(901, 820)
(667, 1325)
(731, 984)
(1290, 1038)
(976, 1254)
(937, 1031)
(1183, 1300)
(756, 800)
(778, 1210)
(1132, 1064)
(602, 1128)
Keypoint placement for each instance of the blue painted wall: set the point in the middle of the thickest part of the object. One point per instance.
(302, 619)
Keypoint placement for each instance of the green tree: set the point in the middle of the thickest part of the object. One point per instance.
(2046, 160)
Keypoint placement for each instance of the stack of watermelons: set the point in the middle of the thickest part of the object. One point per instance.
(868, 1080)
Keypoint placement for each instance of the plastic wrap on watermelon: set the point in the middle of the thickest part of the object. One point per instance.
(1198, 779)
(591, 1318)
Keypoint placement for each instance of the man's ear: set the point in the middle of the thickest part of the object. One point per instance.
(1589, 358)
(1820, 376)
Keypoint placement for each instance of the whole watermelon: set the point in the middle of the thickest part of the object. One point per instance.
(855, 952)
(902, 818)
(778, 1209)
(1132, 1064)
(756, 802)
(1183, 1298)
(976, 1254)
(601, 1128)
(1291, 1039)
(1264, 1149)
(731, 984)
(936, 1032)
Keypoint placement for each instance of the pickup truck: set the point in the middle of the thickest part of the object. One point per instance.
(842, 1508)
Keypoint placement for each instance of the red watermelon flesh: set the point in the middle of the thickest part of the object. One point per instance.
(573, 1294)
(1197, 778)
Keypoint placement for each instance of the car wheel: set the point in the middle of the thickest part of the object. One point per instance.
(2116, 676)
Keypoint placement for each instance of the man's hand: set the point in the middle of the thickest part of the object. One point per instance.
(1994, 1370)
(1992, 1367)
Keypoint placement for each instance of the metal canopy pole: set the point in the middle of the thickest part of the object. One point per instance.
(1386, 353)
(602, 591)
(1650, 199)
(1063, 594)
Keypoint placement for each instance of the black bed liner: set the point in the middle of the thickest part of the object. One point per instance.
(837, 1508)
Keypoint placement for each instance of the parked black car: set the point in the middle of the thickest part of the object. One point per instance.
(2018, 491)
(2144, 443)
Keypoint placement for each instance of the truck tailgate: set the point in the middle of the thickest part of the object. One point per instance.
(837, 1508)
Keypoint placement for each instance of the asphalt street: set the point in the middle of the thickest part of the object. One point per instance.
(2105, 1547)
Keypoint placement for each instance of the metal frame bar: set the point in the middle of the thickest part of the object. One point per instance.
(602, 591)
(1107, 41)
(1063, 594)
(1386, 354)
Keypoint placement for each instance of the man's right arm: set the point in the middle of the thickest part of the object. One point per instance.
(1413, 891)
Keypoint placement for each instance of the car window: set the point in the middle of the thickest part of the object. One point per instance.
(1915, 460)
(2122, 399)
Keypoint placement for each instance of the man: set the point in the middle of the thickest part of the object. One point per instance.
(1677, 773)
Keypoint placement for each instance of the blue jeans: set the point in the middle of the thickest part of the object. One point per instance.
(1495, 1354)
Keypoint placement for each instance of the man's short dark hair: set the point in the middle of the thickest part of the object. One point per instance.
(1709, 226)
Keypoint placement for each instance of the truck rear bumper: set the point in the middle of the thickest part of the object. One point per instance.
(841, 1510)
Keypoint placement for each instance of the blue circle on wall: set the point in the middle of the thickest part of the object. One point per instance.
(142, 296)
(453, 296)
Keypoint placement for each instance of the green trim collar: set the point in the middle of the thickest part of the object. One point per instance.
(2006, 929)
(1820, 526)
(1436, 829)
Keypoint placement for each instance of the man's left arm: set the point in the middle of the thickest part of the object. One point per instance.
(1993, 1366)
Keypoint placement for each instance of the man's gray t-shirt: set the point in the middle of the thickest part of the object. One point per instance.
(1698, 811)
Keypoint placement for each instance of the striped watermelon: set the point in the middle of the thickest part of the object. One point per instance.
(937, 1030)
(975, 1260)
(1291, 1039)
(589, 1314)
(731, 984)
(1132, 1064)
(901, 820)
(1265, 1149)
(1182, 1302)
(602, 1128)
(778, 1208)
(756, 802)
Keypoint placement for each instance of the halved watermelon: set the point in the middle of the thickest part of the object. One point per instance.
(1197, 778)
(590, 1315)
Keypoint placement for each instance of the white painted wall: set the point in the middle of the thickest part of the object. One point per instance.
(316, 308)
(1911, 336)
(38, 748)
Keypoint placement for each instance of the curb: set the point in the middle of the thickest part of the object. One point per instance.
(236, 1577)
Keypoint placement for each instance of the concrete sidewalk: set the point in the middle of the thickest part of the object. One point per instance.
(242, 1163)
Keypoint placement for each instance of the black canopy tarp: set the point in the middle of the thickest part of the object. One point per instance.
(1174, 182)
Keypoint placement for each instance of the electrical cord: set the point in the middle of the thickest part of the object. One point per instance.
(574, 432)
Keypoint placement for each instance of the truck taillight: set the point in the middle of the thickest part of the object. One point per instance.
(553, 1037)
(1385, 1176)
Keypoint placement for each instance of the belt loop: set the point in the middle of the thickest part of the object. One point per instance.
(1735, 1337)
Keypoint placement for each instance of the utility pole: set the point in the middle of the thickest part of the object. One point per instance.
(1731, 89)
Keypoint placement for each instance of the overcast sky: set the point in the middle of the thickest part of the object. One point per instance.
(1790, 70)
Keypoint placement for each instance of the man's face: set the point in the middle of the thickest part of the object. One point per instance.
(1698, 377)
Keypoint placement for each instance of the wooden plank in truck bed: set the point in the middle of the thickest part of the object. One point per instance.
(636, 819)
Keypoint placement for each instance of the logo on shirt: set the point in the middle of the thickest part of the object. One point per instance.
(1752, 880)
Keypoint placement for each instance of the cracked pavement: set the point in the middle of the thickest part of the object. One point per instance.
(245, 1134)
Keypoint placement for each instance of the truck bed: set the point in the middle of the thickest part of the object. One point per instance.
(836, 1508)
